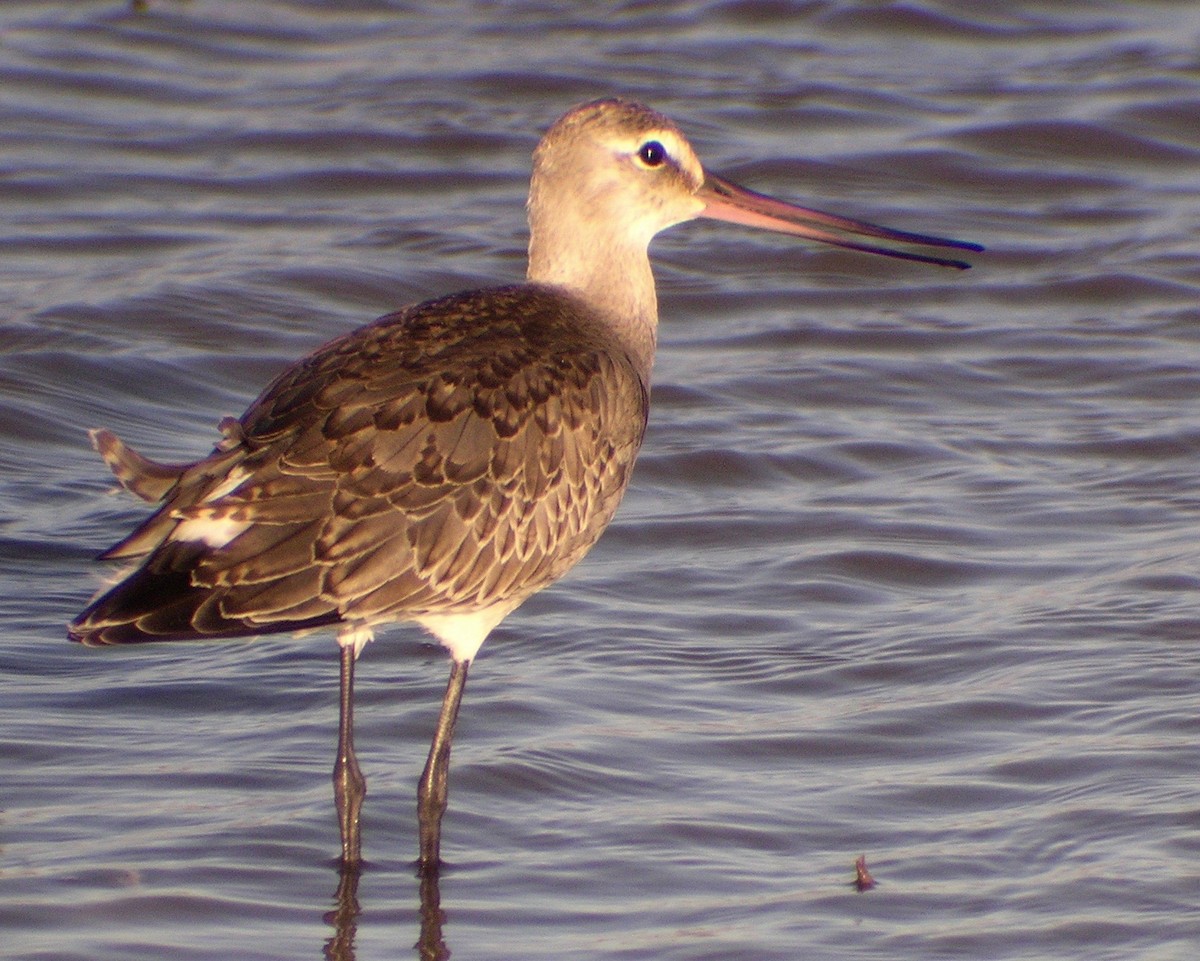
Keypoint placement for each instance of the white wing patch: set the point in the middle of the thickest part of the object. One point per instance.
(207, 522)
(213, 531)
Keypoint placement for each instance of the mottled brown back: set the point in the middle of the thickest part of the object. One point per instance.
(443, 459)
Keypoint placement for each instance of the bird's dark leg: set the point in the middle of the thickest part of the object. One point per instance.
(433, 789)
(349, 785)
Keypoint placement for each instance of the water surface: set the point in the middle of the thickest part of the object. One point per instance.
(908, 569)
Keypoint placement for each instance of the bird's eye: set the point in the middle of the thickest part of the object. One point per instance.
(652, 153)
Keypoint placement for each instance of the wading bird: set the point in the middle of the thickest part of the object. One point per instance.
(447, 461)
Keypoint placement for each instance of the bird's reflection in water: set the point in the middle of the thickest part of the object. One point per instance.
(344, 918)
(431, 946)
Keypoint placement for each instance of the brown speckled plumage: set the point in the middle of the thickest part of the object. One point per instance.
(459, 454)
(445, 462)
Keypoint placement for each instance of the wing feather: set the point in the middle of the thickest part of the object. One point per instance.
(454, 457)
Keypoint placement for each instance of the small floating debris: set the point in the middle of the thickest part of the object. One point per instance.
(862, 877)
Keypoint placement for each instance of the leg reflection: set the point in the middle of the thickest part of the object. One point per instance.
(431, 946)
(344, 917)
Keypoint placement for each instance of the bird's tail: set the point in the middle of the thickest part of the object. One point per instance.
(148, 479)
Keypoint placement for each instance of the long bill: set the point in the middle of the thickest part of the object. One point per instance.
(727, 201)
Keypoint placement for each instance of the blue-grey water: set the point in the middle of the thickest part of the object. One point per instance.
(910, 566)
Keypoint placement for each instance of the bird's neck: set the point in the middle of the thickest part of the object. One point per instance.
(608, 272)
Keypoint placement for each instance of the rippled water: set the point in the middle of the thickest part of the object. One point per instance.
(909, 568)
